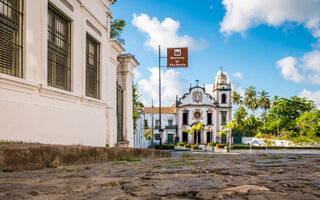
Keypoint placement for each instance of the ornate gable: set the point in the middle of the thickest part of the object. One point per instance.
(196, 96)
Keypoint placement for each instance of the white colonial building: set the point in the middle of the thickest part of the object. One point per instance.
(62, 79)
(150, 120)
(213, 109)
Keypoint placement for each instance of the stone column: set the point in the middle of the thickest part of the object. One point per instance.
(127, 64)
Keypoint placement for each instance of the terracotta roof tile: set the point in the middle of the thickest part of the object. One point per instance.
(165, 110)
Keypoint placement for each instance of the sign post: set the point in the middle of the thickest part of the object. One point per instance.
(176, 58)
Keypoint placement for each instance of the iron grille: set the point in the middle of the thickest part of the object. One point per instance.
(11, 37)
(92, 68)
(59, 48)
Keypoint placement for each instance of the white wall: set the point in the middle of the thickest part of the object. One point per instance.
(31, 111)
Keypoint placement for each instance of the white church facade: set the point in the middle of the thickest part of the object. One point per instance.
(212, 108)
(62, 79)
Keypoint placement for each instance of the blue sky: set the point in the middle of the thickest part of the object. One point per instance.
(270, 44)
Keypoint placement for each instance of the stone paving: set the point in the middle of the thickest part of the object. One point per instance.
(214, 176)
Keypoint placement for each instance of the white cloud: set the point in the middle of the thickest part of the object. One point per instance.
(172, 84)
(244, 14)
(237, 74)
(311, 61)
(164, 33)
(136, 73)
(289, 70)
(314, 96)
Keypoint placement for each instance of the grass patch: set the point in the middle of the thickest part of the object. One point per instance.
(186, 155)
(87, 168)
(117, 163)
(3, 143)
(65, 168)
(253, 160)
(213, 174)
(276, 158)
(130, 159)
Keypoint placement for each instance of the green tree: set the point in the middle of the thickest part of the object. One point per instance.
(239, 115)
(253, 105)
(286, 111)
(147, 134)
(136, 104)
(309, 125)
(116, 29)
(250, 93)
(236, 98)
(264, 101)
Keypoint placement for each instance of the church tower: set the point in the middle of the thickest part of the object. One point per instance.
(222, 90)
(222, 94)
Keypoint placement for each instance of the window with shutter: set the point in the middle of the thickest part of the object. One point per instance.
(11, 23)
(92, 68)
(59, 50)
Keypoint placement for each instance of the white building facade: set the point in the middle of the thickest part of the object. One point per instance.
(213, 109)
(62, 79)
(149, 118)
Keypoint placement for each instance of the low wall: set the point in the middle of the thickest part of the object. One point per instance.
(31, 157)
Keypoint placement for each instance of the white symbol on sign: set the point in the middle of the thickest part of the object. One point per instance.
(177, 52)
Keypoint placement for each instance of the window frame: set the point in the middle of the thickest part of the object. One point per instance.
(12, 62)
(59, 48)
(223, 98)
(97, 93)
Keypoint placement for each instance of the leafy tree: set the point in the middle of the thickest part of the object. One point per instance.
(239, 115)
(264, 101)
(253, 105)
(309, 125)
(116, 29)
(136, 104)
(288, 110)
(250, 93)
(236, 98)
(147, 134)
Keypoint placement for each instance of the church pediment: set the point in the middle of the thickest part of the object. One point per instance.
(196, 96)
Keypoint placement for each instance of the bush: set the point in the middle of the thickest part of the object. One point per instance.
(180, 144)
(187, 146)
(164, 146)
(271, 147)
(194, 147)
(220, 146)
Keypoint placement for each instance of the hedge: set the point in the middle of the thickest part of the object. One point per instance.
(221, 146)
(164, 146)
(272, 147)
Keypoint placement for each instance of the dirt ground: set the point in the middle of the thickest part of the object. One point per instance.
(236, 176)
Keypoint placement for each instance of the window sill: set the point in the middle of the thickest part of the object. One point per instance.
(17, 84)
(92, 101)
(55, 93)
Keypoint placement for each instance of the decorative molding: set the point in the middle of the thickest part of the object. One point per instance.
(93, 102)
(93, 27)
(17, 85)
(67, 4)
(54, 93)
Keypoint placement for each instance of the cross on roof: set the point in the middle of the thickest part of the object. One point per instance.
(197, 82)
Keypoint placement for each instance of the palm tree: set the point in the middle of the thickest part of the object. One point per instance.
(231, 126)
(264, 101)
(251, 92)
(240, 115)
(236, 98)
(254, 105)
(275, 98)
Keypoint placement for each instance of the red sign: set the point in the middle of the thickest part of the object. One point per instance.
(177, 57)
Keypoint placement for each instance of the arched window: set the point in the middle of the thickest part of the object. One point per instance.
(223, 98)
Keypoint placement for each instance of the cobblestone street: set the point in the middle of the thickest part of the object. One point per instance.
(235, 176)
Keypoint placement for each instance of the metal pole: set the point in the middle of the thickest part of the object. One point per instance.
(152, 125)
(160, 98)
